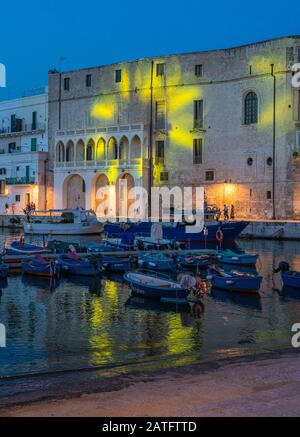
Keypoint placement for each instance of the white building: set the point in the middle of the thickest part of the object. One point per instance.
(23, 152)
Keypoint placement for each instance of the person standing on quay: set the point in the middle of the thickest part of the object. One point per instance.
(232, 212)
(225, 212)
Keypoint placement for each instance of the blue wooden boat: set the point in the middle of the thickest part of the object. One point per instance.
(194, 261)
(38, 266)
(96, 248)
(74, 265)
(114, 264)
(4, 268)
(234, 281)
(290, 278)
(240, 259)
(144, 284)
(179, 231)
(157, 261)
(20, 247)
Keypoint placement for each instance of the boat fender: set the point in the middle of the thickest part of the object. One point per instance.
(219, 235)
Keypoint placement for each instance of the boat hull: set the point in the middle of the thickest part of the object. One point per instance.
(240, 284)
(35, 268)
(291, 279)
(244, 260)
(27, 249)
(156, 292)
(230, 230)
(81, 267)
(63, 229)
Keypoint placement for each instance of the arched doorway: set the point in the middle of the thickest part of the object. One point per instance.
(123, 148)
(136, 147)
(90, 150)
(123, 186)
(70, 151)
(60, 152)
(80, 151)
(74, 192)
(112, 148)
(100, 181)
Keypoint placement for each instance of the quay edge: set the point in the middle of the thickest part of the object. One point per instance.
(272, 230)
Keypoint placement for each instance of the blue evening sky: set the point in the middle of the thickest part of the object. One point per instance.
(35, 34)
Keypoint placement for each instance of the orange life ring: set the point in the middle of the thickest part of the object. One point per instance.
(219, 235)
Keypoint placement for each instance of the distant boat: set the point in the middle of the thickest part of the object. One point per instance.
(157, 261)
(240, 259)
(96, 248)
(63, 222)
(74, 265)
(20, 247)
(38, 266)
(235, 281)
(151, 286)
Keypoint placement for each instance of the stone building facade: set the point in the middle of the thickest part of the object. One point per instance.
(23, 152)
(227, 120)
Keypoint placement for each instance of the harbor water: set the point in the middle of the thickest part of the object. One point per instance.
(82, 323)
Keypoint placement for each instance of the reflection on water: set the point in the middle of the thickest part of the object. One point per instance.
(81, 322)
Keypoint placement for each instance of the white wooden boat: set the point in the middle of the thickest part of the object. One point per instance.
(63, 222)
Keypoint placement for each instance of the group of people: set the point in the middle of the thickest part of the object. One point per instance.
(226, 212)
(29, 207)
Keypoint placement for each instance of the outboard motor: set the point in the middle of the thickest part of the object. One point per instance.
(282, 267)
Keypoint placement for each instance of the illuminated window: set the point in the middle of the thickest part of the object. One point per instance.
(197, 150)
(2, 186)
(88, 80)
(160, 69)
(250, 108)
(66, 83)
(160, 115)
(160, 152)
(199, 70)
(198, 113)
(164, 176)
(209, 175)
(118, 76)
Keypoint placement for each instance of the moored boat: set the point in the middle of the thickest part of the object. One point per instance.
(114, 264)
(194, 261)
(147, 285)
(62, 222)
(157, 261)
(39, 266)
(74, 265)
(234, 281)
(241, 259)
(20, 247)
(290, 278)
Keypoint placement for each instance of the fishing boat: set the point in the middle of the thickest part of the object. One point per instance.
(145, 284)
(157, 261)
(72, 264)
(39, 266)
(96, 248)
(62, 222)
(20, 247)
(114, 264)
(4, 269)
(194, 261)
(150, 243)
(234, 281)
(58, 246)
(240, 259)
(181, 232)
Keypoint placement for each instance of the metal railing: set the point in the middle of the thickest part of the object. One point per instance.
(23, 129)
(23, 180)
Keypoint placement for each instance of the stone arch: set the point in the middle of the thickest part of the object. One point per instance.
(74, 192)
(80, 150)
(122, 190)
(70, 151)
(136, 147)
(124, 148)
(100, 152)
(100, 180)
(112, 148)
(90, 150)
(60, 152)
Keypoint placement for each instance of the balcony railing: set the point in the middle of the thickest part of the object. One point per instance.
(120, 163)
(23, 129)
(23, 180)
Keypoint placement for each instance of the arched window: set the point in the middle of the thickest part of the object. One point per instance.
(251, 108)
